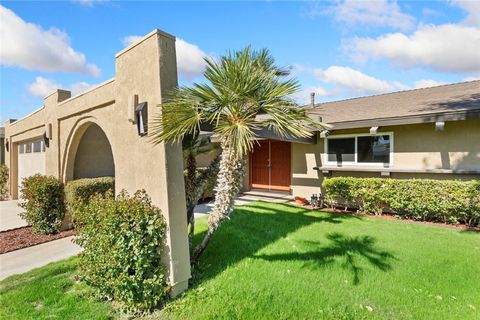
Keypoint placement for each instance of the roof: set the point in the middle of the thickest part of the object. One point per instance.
(441, 103)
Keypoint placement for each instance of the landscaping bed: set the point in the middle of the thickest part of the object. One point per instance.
(23, 237)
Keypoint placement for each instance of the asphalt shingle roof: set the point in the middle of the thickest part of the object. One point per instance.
(459, 97)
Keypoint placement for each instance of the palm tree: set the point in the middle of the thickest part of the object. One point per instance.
(197, 180)
(244, 93)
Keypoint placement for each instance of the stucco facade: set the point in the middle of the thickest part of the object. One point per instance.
(104, 117)
(419, 151)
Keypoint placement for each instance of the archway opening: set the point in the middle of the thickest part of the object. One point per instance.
(94, 156)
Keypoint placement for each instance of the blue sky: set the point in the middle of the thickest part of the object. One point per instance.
(338, 49)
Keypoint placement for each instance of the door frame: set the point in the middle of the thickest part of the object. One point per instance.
(269, 186)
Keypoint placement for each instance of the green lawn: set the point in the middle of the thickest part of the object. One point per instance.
(275, 261)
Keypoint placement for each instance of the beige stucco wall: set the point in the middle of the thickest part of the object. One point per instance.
(146, 69)
(94, 156)
(416, 147)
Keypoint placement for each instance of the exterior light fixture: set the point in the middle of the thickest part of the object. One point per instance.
(373, 130)
(439, 125)
(46, 140)
(7, 145)
(141, 117)
(324, 133)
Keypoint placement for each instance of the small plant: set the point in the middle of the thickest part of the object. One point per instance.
(44, 203)
(122, 240)
(3, 182)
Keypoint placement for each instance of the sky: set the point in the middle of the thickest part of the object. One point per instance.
(339, 49)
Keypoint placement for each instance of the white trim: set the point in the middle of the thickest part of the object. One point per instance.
(356, 163)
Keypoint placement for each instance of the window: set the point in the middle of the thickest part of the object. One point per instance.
(373, 149)
(37, 146)
(21, 148)
(359, 149)
(341, 150)
(28, 147)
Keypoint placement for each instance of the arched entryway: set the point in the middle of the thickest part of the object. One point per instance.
(90, 155)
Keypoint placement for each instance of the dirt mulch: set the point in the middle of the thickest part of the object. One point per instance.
(20, 238)
(387, 216)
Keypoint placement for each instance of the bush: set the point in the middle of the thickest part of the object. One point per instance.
(44, 203)
(78, 192)
(420, 199)
(3, 182)
(122, 240)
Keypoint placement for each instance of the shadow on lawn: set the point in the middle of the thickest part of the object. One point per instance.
(252, 227)
(351, 249)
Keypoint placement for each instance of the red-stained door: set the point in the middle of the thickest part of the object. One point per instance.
(270, 166)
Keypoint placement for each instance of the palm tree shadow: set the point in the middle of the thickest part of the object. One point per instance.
(352, 249)
(252, 227)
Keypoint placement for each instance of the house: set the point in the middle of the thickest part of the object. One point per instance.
(422, 133)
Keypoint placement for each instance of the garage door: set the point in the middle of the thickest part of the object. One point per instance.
(31, 159)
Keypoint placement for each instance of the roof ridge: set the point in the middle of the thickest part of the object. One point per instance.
(395, 92)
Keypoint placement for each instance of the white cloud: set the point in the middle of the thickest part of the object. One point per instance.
(472, 8)
(377, 13)
(29, 46)
(190, 58)
(89, 3)
(447, 48)
(303, 97)
(42, 87)
(426, 83)
(129, 40)
(354, 80)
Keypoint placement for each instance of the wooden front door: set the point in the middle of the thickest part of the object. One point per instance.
(270, 165)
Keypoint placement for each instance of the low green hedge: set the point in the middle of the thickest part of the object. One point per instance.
(447, 201)
(44, 203)
(123, 241)
(81, 190)
(3, 182)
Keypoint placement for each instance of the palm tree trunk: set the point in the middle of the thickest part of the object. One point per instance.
(228, 185)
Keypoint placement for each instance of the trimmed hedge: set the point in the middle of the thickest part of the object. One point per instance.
(81, 190)
(3, 182)
(44, 201)
(448, 201)
(123, 240)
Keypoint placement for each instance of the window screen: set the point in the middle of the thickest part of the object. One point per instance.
(374, 149)
(341, 150)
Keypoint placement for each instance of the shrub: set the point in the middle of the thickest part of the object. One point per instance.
(420, 199)
(3, 182)
(122, 240)
(44, 203)
(78, 192)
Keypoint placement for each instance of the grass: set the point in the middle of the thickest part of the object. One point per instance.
(50, 292)
(275, 261)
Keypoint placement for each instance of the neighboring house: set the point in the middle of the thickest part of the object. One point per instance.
(423, 133)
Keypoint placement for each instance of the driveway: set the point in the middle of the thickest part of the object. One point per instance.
(9, 218)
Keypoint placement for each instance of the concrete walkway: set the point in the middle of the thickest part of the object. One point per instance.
(9, 218)
(24, 260)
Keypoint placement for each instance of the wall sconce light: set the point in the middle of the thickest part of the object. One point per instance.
(141, 117)
(7, 144)
(46, 140)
